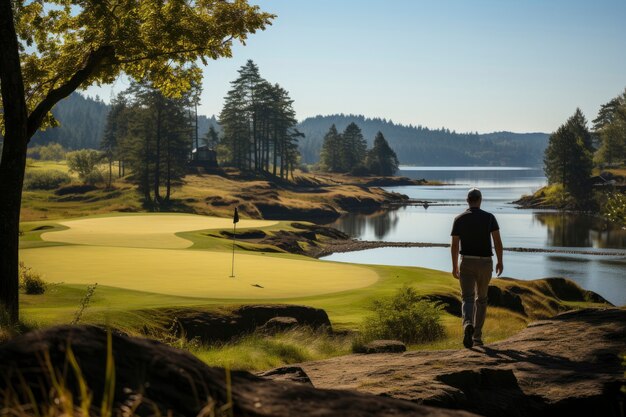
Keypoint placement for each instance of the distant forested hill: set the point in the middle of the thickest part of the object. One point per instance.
(82, 121)
(422, 146)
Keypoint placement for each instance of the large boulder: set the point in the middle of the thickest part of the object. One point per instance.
(220, 326)
(162, 380)
(568, 365)
(382, 346)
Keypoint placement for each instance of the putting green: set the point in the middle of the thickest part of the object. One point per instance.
(142, 252)
(195, 273)
(142, 231)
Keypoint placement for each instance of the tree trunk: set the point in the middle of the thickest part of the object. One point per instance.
(11, 179)
(12, 163)
(157, 164)
(110, 172)
(168, 174)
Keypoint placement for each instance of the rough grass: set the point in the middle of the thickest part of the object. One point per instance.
(214, 195)
(257, 352)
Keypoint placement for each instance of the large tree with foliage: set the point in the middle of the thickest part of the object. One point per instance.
(568, 160)
(610, 126)
(381, 159)
(115, 128)
(258, 123)
(330, 157)
(51, 48)
(156, 140)
(353, 147)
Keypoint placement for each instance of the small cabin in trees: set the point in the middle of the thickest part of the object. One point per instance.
(203, 156)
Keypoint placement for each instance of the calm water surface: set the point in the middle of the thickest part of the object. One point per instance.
(604, 274)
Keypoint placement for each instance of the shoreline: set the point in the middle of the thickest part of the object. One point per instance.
(354, 245)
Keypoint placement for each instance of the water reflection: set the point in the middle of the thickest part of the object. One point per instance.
(579, 230)
(381, 223)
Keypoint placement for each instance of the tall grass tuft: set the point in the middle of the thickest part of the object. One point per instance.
(257, 351)
(68, 399)
(405, 317)
(91, 289)
(30, 281)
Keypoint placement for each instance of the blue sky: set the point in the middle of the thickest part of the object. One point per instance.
(468, 65)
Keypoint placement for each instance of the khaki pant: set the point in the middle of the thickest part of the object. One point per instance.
(475, 275)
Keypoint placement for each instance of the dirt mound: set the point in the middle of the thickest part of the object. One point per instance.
(568, 365)
(245, 234)
(276, 211)
(567, 290)
(75, 189)
(212, 326)
(161, 380)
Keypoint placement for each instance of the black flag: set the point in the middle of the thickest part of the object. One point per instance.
(236, 216)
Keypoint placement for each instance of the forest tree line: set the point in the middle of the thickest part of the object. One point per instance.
(415, 144)
(347, 152)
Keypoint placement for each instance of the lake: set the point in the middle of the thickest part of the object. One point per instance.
(520, 228)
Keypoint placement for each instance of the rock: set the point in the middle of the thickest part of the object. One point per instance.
(169, 381)
(450, 303)
(278, 324)
(383, 346)
(274, 210)
(569, 365)
(212, 326)
(505, 298)
(287, 373)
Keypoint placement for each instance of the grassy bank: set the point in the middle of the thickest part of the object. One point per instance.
(306, 196)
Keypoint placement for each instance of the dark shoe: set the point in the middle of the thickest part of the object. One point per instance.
(478, 342)
(467, 339)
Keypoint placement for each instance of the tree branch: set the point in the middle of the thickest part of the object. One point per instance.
(94, 60)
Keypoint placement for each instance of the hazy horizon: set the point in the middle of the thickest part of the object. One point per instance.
(483, 66)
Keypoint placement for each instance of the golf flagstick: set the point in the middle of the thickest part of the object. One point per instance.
(235, 221)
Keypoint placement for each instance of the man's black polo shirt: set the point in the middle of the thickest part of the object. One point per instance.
(474, 227)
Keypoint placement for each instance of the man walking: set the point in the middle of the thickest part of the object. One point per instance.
(474, 229)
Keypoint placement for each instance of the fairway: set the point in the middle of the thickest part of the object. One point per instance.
(141, 252)
(142, 231)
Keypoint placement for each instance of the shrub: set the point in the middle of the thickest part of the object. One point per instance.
(30, 281)
(45, 179)
(404, 317)
(84, 162)
(93, 178)
(52, 152)
(614, 208)
(359, 171)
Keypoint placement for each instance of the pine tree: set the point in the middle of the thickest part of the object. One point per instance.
(567, 159)
(258, 122)
(610, 126)
(330, 156)
(115, 128)
(381, 159)
(353, 147)
(157, 143)
(577, 124)
(211, 139)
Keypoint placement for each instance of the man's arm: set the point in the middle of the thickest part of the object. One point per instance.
(497, 244)
(454, 249)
